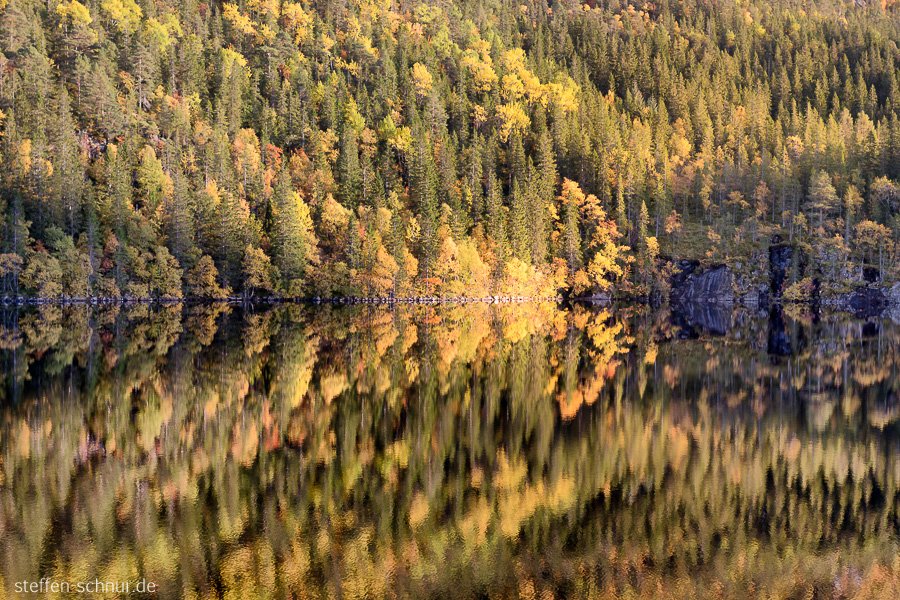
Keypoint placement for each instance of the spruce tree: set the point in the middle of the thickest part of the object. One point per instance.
(289, 251)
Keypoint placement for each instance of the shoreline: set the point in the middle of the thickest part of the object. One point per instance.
(750, 301)
(103, 301)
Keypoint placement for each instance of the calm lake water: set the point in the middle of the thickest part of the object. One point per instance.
(527, 451)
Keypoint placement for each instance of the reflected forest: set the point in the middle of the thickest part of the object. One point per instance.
(472, 451)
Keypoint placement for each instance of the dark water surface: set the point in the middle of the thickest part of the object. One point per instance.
(474, 451)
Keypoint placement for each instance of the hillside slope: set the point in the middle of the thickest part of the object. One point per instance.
(374, 146)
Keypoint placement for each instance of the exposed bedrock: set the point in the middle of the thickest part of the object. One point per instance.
(693, 285)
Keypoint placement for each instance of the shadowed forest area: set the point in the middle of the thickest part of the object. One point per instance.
(375, 147)
(469, 452)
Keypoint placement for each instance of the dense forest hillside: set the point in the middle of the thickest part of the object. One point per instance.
(181, 148)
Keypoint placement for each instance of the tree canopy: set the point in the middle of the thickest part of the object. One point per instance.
(349, 142)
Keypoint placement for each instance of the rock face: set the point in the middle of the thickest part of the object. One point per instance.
(871, 274)
(893, 293)
(711, 285)
(780, 258)
(686, 268)
(868, 299)
(701, 298)
(600, 298)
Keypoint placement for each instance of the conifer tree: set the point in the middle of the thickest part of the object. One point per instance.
(423, 194)
(68, 173)
(291, 228)
(349, 172)
(520, 241)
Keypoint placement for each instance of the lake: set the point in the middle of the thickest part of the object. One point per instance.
(466, 451)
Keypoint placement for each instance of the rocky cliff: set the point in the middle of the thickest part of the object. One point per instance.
(694, 285)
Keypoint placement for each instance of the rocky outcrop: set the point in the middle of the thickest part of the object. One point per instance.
(710, 285)
(600, 298)
(781, 257)
(868, 299)
(685, 268)
(755, 297)
(893, 294)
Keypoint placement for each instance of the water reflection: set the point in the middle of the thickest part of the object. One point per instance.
(474, 451)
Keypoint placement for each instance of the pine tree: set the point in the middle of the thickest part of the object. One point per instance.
(538, 204)
(291, 230)
(621, 210)
(517, 165)
(643, 241)
(231, 216)
(547, 167)
(349, 173)
(68, 174)
(520, 241)
(822, 196)
(423, 194)
(397, 242)
(180, 229)
(117, 207)
(496, 221)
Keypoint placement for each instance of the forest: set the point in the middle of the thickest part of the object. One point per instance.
(402, 147)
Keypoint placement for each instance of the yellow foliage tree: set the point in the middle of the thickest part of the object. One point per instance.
(202, 280)
(605, 264)
(447, 267)
(607, 257)
(240, 21)
(74, 13)
(474, 273)
(513, 88)
(125, 14)
(233, 62)
(512, 118)
(335, 219)
(479, 63)
(297, 21)
(163, 33)
(257, 270)
(422, 80)
(519, 278)
(385, 271)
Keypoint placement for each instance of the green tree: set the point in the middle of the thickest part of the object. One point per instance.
(43, 274)
(75, 265)
(164, 274)
(257, 271)
(823, 197)
(293, 227)
(203, 280)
